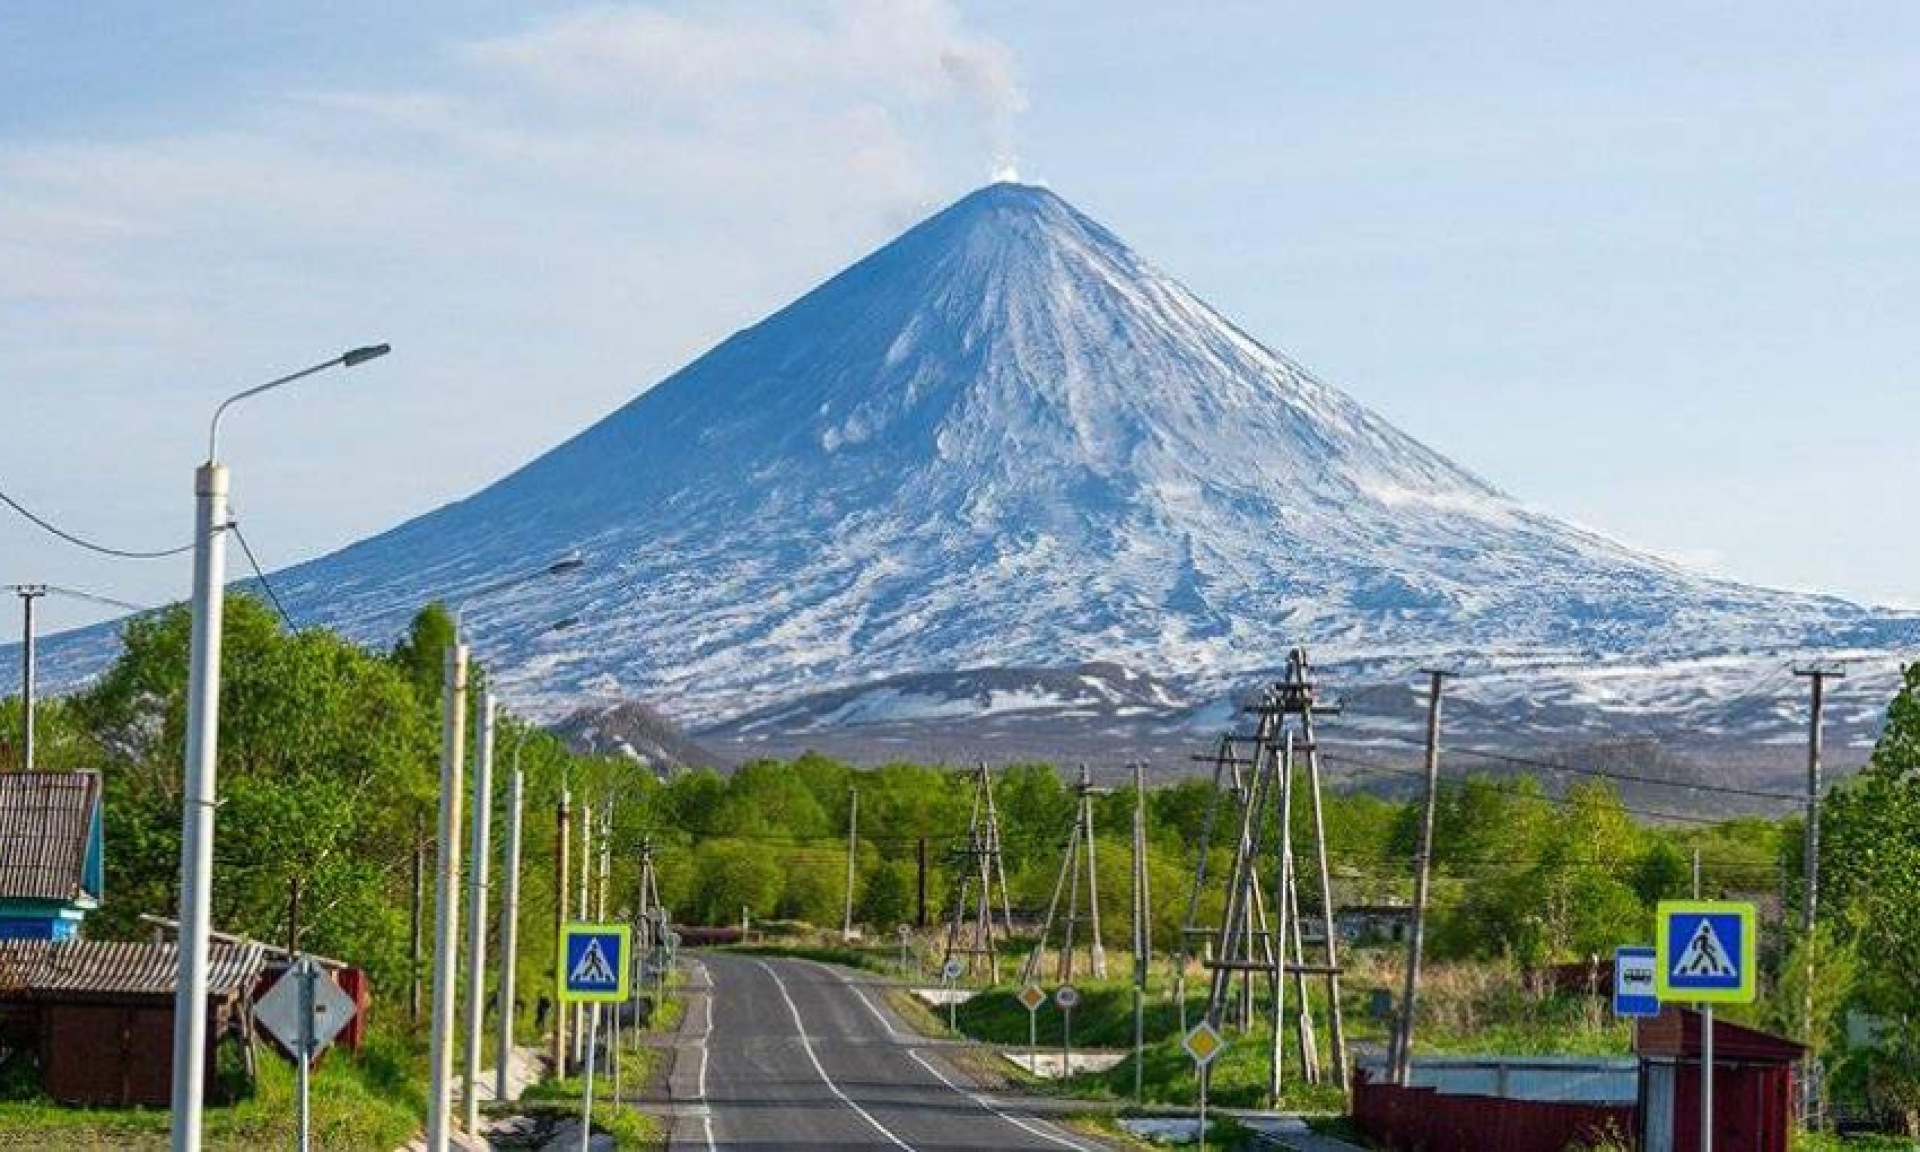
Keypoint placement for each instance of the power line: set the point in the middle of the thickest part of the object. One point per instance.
(1651, 814)
(1631, 777)
(259, 574)
(89, 545)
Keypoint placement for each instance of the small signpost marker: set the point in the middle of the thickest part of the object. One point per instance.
(950, 976)
(1635, 978)
(1031, 998)
(595, 970)
(1066, 996)
(1705, 952)
(1203, 1044)
(304, 1011)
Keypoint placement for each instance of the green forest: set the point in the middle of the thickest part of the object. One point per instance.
(328, 780)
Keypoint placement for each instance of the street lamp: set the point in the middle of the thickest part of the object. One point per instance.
(446, 929)
(203, 722)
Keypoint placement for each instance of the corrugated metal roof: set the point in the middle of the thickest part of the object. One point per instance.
(37, 967)
(44, 821)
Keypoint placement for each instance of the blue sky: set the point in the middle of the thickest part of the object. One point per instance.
(1653, 267)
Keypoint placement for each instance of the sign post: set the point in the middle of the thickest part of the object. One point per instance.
(304, 1011)
(1031, 998)
(1706, 953)
(1203, 1043)
(950, 976)
(595, 969)
(1066, 996)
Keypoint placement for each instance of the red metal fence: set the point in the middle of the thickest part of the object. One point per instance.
(1422, 1118)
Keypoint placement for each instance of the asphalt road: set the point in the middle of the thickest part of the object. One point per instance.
(799, 1055)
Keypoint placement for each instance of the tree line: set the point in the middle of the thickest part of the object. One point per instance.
(329, 780)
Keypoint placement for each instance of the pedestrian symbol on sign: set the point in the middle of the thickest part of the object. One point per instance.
(1705, 955)
(595, 960)
(592, 969)
(1706, 952)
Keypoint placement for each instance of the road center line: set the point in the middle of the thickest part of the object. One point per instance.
(860, 995)
(1032, 1129)
(807, 1045)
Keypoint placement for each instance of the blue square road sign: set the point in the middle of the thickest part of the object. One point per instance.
(1706, 952)
(594, 963)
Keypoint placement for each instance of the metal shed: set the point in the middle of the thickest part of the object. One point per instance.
(98, 1014)
(1752, 1085)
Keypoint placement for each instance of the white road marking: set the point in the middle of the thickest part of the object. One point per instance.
(700, 1094)
(1032, 1129)
(807, 1045)
(860, 995)
(982, 1101)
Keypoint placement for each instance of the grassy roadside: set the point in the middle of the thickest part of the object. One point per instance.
(375, 1101)
(643, 1065)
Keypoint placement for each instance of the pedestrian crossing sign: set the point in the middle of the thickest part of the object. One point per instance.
(593, 963)
(1705, 952)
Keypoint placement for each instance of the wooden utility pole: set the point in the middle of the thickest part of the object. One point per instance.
(562, 867)
(581, 898)
(982, 867)
(1402, 1047)
(417, 919)
(1142, 931)
(921, 917)
(1817, 678)
(853, 847)
(1079, 845)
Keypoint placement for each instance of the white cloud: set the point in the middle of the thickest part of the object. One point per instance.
(543, 222)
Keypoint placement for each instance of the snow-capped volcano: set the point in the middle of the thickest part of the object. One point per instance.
(1005, 439)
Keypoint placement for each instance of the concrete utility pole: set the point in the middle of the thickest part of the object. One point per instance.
(509, 927)
(446, 904)
(853, 847)
(28, 594)
(197, 807)
(1817, 678)
(1402, 1048)
(479, 858)
(562, 863)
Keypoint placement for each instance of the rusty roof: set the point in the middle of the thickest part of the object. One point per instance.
(45, 820)
(37, 968)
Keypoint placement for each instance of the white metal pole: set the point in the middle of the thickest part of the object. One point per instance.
(479, 858)
(586, 1111)
(303, 971)
(509, 927)
(197, 810)
(446, 903)
(1206, 1071)
(1706, 1078)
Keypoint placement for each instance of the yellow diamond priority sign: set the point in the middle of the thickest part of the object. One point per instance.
(1203, 1043)
(1031, 997)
